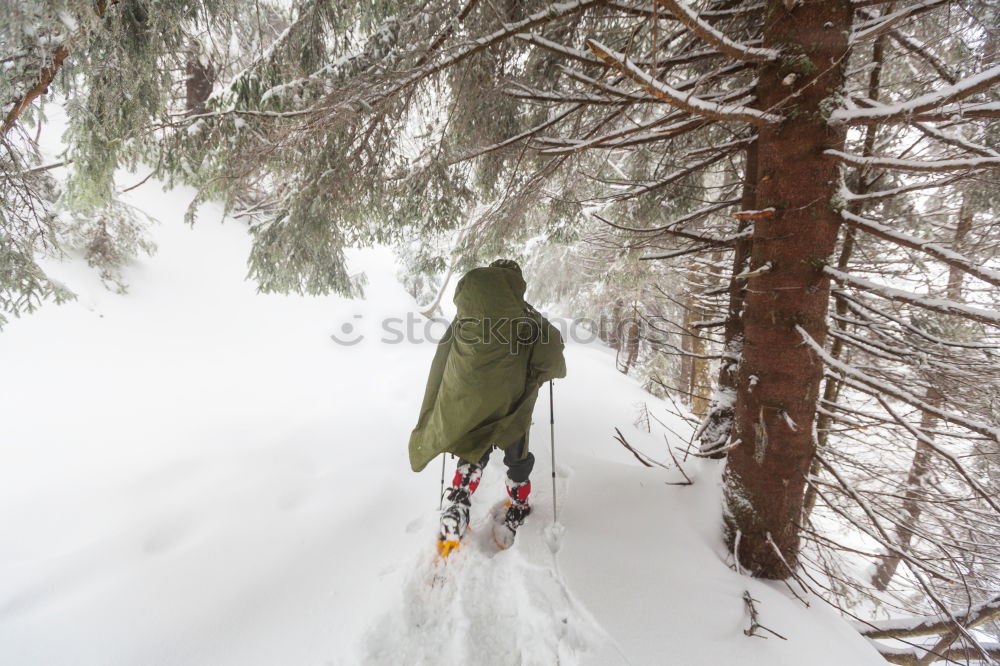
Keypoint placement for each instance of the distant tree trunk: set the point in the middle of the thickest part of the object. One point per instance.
(628, 339)
(886, 568)
(778, 380)
(614, 336)
(695, 368)
(920, 465)
(717, 425)
(198, 84)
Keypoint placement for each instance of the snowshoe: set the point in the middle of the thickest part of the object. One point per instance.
(454, 521)
(517, 509)
(455, 517)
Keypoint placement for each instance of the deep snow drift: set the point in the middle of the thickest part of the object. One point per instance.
(196, 474)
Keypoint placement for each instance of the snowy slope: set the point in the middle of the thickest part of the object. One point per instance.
(196, 474)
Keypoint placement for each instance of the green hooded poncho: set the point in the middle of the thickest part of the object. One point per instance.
(487, 369)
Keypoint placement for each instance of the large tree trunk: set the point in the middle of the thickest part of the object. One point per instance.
(778, 379)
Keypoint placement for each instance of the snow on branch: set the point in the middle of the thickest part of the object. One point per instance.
(942, 305)
(912, 656)
(928, 102)
(606, 88)
(939, 252)
(885, 194)
(517, 137)
(959, 112)
(555, 47)
(675, 97)
(955, 139)
(916, 48)
(857, 306)
(867, 383)
(914, 165)
(877, 26)
(683, 13)
(927, 626)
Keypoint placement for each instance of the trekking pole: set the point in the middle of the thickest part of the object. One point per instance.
(441, 495)
(552, 442)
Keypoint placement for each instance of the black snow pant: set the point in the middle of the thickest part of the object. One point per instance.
(518, 466)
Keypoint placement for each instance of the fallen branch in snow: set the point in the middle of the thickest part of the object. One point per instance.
(638, 456)
(674, 458)
(754, 623)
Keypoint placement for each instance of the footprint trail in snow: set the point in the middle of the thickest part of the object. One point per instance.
(484, 607)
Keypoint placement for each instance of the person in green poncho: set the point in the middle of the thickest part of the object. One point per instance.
(481, 391)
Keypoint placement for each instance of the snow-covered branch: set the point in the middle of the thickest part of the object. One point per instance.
(880, 24)
(885, 194)
(942, 305)
(555, 47)
(857, 306)
(956, 140)
(689, 103)
(683, 13)
(912, 656)
(928, 102)
(927, 626)
(939, 252)
(914, 165)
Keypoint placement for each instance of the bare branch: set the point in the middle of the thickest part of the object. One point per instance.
(868, 384)
(940, 253)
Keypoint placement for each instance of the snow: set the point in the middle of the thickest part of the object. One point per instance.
(197, 474)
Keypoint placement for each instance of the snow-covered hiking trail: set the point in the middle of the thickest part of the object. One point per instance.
(196, 474)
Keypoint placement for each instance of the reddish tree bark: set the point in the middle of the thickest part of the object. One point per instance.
(779, 378)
